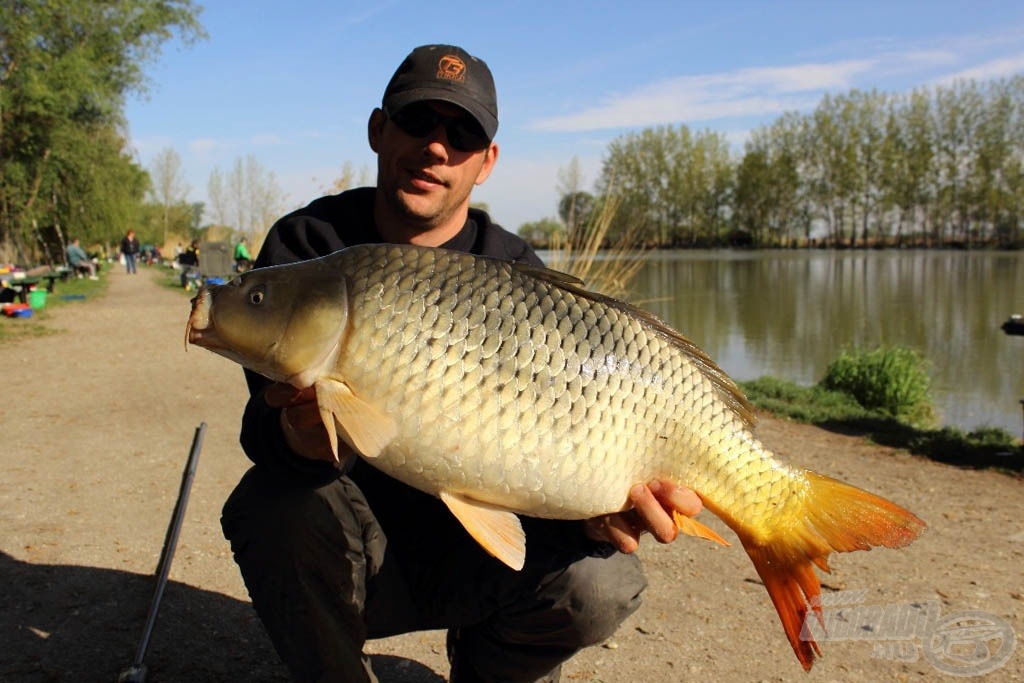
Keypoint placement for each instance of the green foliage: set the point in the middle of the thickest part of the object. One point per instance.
(541, 234)
(674, 183)
(893, 381)
(577, 209)
(65, 70)
(931, 167)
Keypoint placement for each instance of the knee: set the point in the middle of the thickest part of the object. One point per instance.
(269, 524)
(601, 593)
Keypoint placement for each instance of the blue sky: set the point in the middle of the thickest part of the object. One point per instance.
(293, 83)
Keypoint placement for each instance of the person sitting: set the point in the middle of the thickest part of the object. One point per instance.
(243, 259)
(79, 261)
(188, 261)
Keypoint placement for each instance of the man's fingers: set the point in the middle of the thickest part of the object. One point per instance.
(280, 395)
(651, 514)
(618, 530)
(673, 497)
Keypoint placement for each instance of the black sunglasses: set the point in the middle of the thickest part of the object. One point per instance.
(420, 119)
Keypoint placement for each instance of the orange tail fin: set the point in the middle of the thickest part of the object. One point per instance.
(837, 517)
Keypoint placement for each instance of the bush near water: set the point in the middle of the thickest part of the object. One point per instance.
(883, 394)
(891, 380)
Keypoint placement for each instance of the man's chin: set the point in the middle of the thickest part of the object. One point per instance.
(418, 207)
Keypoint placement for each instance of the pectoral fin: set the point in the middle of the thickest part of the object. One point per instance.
(498, 531)
(365, 428)
(691, 527)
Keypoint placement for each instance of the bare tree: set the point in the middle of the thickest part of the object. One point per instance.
(248, 198)
(169, 187)
(569, 188)
(266, 199)
(218, 198)
(238, 194)
(349, 178)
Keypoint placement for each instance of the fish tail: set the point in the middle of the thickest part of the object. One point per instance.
(836, 517)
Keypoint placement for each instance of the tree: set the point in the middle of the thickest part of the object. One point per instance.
(576, 209)
(168, 185)
(675, 183)
(217, 196)
(248, 199)
(541, 234)
(570, 189)
(65, 70)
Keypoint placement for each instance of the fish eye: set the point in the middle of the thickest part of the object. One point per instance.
(257, 295)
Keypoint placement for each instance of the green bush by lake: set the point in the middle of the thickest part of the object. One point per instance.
(835, 410)
(892, 380)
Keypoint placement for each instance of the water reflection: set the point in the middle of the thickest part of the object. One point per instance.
(789, 314)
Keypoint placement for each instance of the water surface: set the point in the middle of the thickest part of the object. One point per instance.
(790, 313)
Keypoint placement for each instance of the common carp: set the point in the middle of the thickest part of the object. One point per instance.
(509, 389)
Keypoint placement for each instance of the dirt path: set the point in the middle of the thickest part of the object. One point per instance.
(96, 425)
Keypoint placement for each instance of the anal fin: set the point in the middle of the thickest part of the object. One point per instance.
(691, 527)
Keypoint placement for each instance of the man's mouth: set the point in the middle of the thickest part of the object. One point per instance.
(423, 176)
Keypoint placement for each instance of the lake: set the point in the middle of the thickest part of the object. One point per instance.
(790, 313)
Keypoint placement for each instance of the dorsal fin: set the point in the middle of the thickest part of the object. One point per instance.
(731, 394)
(555, 277)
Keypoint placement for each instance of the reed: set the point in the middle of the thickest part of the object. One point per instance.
(585, 251)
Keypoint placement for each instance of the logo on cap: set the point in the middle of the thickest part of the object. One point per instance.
(451, 68)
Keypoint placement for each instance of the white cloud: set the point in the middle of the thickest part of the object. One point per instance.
(745, 92)
(995, 68)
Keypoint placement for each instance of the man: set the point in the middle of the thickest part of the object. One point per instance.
(79, 261)
(332, 556)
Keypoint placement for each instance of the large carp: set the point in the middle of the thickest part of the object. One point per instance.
(504, 389)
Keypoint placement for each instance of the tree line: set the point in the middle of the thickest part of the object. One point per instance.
(932, 167)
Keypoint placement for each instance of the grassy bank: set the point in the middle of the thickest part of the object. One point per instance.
(838, 411)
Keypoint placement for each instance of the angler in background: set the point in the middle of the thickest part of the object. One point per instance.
(333, 555)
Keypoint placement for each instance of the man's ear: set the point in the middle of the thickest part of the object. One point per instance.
(490, 158)
(375, 128)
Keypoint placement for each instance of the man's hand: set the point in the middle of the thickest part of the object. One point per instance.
(653, 505)
(301, 423)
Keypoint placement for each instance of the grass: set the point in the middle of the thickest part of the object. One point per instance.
(983, 448)
(12, 329)
(892, 380)
(584, 253)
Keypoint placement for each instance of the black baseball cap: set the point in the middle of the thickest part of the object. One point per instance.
(449, 74)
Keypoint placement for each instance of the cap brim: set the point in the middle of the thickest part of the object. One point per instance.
(486, 119)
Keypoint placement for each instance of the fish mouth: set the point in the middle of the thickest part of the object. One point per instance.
(199, 329)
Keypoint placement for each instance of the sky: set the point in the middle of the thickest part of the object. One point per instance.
(293, 83)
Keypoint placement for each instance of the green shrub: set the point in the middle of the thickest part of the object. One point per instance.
(892, 380)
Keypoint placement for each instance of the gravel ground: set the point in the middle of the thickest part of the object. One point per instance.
(96, 426)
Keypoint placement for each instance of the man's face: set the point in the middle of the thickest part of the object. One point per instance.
(424, 180)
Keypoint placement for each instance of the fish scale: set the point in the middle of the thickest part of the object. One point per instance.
(506, 389)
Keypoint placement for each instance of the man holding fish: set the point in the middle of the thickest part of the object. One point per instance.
(334, 551)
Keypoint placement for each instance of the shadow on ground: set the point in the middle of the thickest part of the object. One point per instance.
(70, 623)
(977, 450)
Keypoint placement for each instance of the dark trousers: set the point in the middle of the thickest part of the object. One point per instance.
(325, 573)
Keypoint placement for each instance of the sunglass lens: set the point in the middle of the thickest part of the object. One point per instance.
(463, 132)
